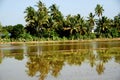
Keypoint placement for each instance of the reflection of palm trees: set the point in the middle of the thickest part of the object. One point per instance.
(105, 55)
(39, 50)
(92, 59)
(1, 55)
(117, 59)
(43, 64)
(36, 64)
(100, 68)
(116, 54)
(56, 67)
(76, 58)
(54, 61)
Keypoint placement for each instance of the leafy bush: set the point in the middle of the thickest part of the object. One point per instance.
(114, 33)
(26, 36)
(92, 36)
(17, 31)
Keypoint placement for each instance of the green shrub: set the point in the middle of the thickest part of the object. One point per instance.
(26, 36)
(17, 31)
(92, 36)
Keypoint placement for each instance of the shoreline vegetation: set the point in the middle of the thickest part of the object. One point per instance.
(54, 41)
(45, 24)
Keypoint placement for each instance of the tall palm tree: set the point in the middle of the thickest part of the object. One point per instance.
(42, 18)
(75, 25)
(30, 18)
(117, 21)
(72, 24)
(103, 27)
(55, 13)
(82, 27)
(30, 14)
(57, 19)
(99, 10)
(91, 22)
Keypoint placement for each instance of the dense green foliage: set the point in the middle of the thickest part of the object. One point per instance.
(0, 30)
(50, 24)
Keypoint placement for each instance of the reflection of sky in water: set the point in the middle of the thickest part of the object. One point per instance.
(85, 72)
(13, 69)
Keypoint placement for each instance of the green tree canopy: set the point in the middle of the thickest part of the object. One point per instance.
(17, 31)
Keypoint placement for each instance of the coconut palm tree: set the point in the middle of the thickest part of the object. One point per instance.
(30, 13)
(30, 18)
(82, 27)
(99, 10)
(115, 26)
(72, 24)
(100, 28)
(103, 27)
(55, 13)
(42, 18)
(75, 25)
(117, 21)
(57, 19)
(91, 22)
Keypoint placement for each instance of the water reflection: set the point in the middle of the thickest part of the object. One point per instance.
(44, 59)
(53, 62)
